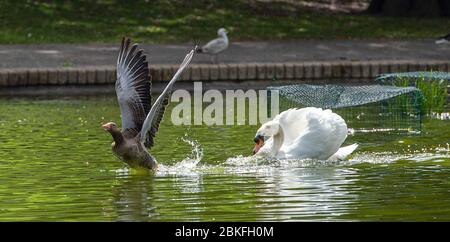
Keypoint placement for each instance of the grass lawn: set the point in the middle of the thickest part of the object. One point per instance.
(106, 21)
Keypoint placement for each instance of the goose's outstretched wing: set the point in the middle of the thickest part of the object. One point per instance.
(132, 88)
(158, 107)
(157, 120)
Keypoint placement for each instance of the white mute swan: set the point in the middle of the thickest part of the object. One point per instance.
(304, 133)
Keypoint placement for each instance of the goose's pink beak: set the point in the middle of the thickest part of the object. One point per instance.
(106, 126)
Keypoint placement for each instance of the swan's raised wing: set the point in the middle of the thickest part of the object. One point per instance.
(343, 152)
(324, 134)
(132, 87)
(158, 107)
(293, 122)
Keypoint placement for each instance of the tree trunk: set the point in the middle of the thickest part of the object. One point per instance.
(375, 7)
(445, 6)
(428, 8)
(396, 7)
(413, 8)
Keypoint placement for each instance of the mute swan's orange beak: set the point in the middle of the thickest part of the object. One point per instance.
(259, 141)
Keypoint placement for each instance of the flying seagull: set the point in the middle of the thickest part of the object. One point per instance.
(443, 40)
(140, 120)
(215, 46)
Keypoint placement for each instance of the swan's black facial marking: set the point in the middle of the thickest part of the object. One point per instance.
(258, 138)
(259, 141)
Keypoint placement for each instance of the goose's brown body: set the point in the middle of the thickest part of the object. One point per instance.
(132, 152)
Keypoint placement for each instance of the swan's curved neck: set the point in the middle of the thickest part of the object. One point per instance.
(278, 140)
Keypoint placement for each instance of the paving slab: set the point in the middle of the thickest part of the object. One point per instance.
(88, 55)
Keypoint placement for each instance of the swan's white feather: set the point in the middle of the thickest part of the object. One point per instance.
(309, 133)
(343, 152)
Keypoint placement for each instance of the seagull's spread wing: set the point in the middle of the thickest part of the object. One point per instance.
(132, 88)
(151, 123)
(215, 46)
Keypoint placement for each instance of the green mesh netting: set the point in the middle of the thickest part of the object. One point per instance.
(433, 85)
(369, 107)
(425, 75)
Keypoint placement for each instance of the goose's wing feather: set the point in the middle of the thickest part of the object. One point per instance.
(215, 46)
(157, 120)
(156, 112)
(132, 87)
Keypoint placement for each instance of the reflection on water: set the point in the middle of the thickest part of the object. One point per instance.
(56, 164)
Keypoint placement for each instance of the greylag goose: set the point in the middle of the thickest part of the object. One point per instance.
(140, 120)
(215, 46)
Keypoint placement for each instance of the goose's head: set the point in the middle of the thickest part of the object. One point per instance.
(221, 32)
(114, 131)
(268, 129)
(110, 127)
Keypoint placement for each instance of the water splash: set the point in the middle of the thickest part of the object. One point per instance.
(252, 164)
(189, 164)
(196, 152)
(390, 157)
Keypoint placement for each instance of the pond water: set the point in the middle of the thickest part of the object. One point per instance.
(56, 165)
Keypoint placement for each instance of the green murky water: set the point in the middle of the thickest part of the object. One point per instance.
(56, 164)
